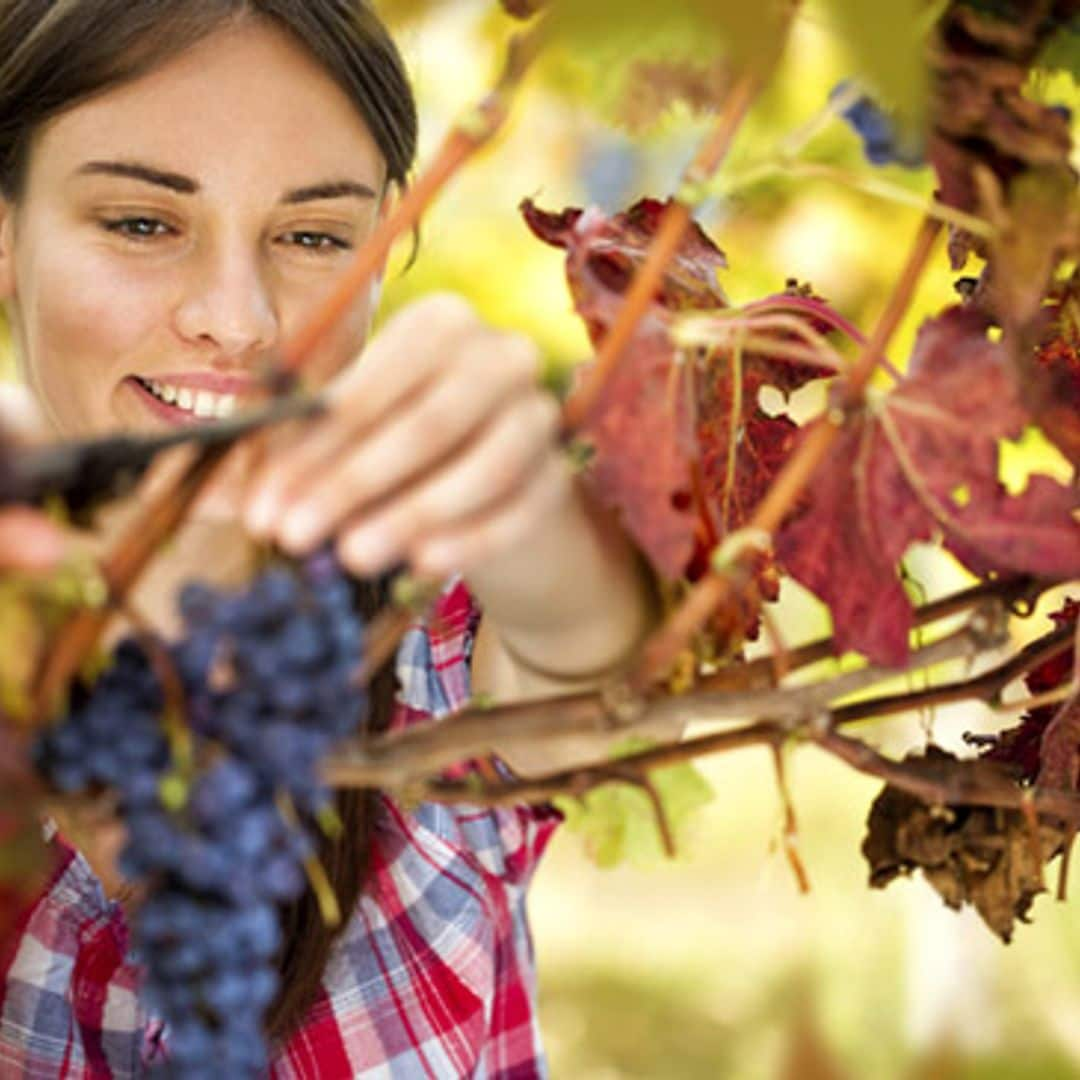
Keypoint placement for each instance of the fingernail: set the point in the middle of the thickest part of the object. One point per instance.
(301, 528)
(260, 514)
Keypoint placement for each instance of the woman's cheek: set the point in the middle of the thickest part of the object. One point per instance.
(94, 324)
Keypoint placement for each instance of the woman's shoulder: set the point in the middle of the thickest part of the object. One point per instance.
(69, 990)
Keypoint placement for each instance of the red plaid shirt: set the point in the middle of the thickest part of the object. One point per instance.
(432, 978)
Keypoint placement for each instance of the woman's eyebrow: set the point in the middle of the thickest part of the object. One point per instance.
(135, 170)
(330, 189)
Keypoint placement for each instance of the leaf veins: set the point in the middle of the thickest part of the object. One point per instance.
(923, 463)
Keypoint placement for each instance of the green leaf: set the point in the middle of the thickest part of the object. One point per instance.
(886, 44)
(1062, 51)
(617, 821)
(633, 63)
(32, 608)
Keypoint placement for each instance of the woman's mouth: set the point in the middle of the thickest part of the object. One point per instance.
(183, 404)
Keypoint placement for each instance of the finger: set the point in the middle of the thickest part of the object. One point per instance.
(476, 541)
(409, 445)
(496, 465)
(393, 368)
(28, 540)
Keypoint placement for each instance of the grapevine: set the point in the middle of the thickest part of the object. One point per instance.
(222, 749)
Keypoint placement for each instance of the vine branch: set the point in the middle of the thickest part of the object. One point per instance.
(404, 759)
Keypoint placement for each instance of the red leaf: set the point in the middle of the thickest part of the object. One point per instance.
(1052, 389)
(1022, 745)
(641, 465)
(926, 462)
(641, 430)
(604, 252)
(677, 497)
(734, 485)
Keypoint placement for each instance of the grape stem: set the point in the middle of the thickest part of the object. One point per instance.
(120, 569)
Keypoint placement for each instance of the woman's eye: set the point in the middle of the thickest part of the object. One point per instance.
(137, 227)
(310, 240)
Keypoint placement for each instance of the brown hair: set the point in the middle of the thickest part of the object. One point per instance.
(55, 54)
(307, 938)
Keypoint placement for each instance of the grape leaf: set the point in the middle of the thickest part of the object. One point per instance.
(642, 440)
(1021, 746)
(1052, 373)
(978, 855)
(603, 254)
(886, 51)
(1042, 227)
(617, 821)
(598, 53)
(652, 86)
(1062, 51)
(665, 427)
(740, 447)
(926, 461)
(642, 429)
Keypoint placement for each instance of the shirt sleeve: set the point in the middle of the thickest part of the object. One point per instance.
(433, 669)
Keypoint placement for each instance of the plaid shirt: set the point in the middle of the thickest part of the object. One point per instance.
(432, 978)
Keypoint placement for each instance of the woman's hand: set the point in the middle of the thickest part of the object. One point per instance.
(29, 542)
(439, 450)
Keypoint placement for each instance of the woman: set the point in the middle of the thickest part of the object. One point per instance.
(182, 181)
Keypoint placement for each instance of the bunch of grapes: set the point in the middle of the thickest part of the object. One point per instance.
(268, 681)
(883, 138)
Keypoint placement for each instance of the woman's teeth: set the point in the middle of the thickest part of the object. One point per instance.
(202, 403)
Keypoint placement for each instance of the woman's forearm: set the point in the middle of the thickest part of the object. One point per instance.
(572, 601)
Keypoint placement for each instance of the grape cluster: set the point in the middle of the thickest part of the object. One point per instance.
(267, 678)
(883, 138)
(284, 654)
(111, 736)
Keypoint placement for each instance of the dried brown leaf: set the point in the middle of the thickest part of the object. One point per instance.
(970, 855)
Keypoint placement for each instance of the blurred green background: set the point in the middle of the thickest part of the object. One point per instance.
(714, 965)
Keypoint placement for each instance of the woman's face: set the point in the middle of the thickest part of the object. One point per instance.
(175, 229)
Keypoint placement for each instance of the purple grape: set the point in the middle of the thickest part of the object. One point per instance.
(883, 138)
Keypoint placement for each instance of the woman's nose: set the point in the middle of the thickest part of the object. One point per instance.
(226, 303)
